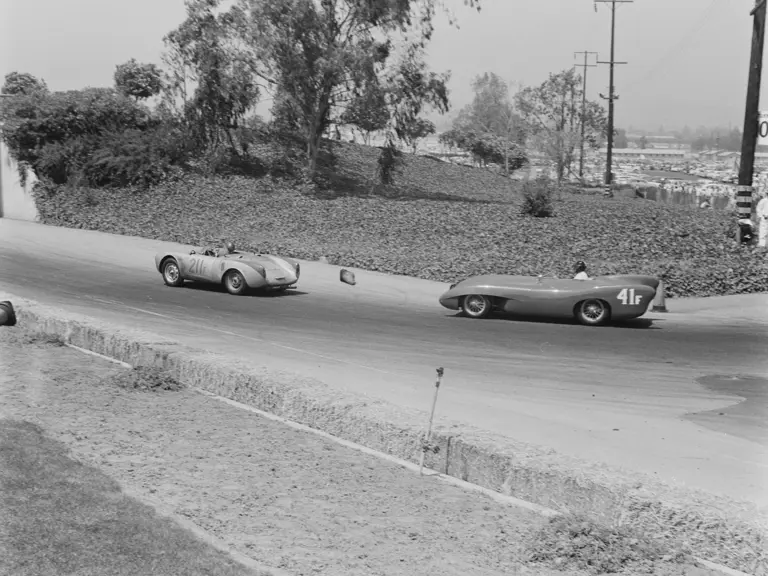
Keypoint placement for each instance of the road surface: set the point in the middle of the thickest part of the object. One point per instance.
(639, 396)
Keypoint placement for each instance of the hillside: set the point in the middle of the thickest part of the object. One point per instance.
(448, 222)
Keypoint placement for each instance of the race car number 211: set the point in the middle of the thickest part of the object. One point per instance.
(629, 298)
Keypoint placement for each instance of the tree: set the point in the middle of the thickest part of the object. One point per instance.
(368, 112)
(620, 139)
(415, 131)
(323, 54)
(552, 117)
(489, 127)
(140, 81)
(203, 53)
(23, 83)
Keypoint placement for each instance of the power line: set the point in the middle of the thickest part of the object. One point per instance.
(585, 65)
(611, 92)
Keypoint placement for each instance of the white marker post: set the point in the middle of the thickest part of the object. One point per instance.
(425, 443)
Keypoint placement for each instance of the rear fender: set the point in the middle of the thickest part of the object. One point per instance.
(250, 272)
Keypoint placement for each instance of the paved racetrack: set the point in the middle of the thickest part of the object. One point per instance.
(616, 394)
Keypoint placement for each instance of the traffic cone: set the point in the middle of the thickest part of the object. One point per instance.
(7, 314)
(659, 304)
(347, 277)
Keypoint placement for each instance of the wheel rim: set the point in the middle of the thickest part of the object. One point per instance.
(235, 281)
(171, 272)
(593, 310)
(475, 305)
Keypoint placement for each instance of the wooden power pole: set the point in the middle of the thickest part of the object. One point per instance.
(611, 93)
(751, 116)
(585, 65)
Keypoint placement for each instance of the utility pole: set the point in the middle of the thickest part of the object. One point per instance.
(583, 107)
(751, 117)
(611, 93)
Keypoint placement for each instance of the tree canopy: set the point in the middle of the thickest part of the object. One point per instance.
(552, 117)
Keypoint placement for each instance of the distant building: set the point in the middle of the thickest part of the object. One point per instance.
(647, 154)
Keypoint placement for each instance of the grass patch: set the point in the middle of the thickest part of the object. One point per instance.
(61, 517)
(147, 379)
(574, 542)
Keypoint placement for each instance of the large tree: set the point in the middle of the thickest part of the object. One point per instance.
(552, 116)
(203, 55)
(323, 55)
(489, 127)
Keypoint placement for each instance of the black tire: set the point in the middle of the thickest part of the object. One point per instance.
(593, 312)
(476, 306)
(235, 282)
(171, 273)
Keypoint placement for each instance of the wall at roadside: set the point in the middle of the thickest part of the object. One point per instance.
(16, 201)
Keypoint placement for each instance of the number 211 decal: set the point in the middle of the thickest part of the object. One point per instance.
(628, 297)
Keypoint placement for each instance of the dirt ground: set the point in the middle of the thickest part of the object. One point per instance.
(286, 498)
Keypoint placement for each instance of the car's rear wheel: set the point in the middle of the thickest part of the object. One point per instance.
(593, 312)
(171, 273)
(476, 306)
(235, 283)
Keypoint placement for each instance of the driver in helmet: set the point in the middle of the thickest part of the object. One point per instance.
(581, 271)
(228, 248)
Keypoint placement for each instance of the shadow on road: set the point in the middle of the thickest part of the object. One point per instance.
(263, 293)
(635, 324)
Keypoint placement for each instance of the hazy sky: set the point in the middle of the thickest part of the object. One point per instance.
(687, 59)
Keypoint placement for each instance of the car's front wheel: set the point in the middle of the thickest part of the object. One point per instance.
(593, 312)
(235, 283)
(171, 273)
(476, 306)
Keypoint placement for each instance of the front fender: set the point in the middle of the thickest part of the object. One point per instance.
(253, 277)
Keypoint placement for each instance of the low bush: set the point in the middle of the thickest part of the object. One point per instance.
(577, 543)
(693, 251)
(538, 198)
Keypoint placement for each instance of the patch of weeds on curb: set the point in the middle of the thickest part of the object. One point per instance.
(575, 542)
(18, 336)
(146, 379)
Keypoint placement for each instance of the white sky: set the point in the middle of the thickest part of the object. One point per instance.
(687, 59)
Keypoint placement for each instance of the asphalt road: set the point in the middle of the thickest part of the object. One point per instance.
(625, 395)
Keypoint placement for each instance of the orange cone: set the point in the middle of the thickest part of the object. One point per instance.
(7, 314)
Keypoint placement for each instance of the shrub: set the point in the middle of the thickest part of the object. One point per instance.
(538, 198)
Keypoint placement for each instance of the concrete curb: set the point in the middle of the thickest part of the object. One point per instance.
(728, 532)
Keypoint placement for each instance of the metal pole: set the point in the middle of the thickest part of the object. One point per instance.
(425, 444)
(611, 94)
(609, 157)
(751, 117)
(584, 110)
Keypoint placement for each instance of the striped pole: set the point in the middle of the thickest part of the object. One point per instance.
(743, 206)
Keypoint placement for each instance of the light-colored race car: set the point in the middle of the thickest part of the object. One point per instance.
(237, 271)
(593, 302)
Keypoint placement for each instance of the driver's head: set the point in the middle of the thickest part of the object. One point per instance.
(230, 247)
(580, 266)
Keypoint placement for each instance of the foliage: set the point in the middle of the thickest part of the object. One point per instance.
(368, 111)
(694, 251)
(140, 81)
(620, 139)
(552, 116)
(322, 56)
(577, 543)
(96, 136)
(22, 83)
(538, 198)
(201, 52)
(489, 128)
(389, 162)
(416, 130)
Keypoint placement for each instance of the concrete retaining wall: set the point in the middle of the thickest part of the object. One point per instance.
(16, 199)
(708, 523)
